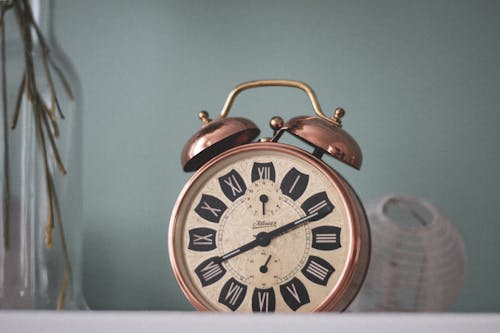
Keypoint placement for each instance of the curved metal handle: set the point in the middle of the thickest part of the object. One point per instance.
(269, 83)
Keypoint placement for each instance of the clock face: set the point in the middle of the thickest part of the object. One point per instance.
(265, 228)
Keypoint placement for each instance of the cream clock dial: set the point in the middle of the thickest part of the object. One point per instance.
(265, 227)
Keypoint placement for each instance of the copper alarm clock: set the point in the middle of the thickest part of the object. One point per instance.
(266, 226)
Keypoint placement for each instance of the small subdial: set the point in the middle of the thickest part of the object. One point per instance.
(263, 269)
(263, 199)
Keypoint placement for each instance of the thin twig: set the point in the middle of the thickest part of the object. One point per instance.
(20, 94)
(53, 104)
(65, 82)
(67, 265)
(46, 110)
(41, 141)
(55, 151)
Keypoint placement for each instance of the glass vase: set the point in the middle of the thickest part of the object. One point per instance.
(40, 263)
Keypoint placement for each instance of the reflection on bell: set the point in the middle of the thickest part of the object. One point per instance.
(417, 260)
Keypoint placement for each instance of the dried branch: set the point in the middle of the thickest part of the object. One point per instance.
(20, 94)
(67, 264)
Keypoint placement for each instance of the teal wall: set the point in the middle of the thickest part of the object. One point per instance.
(420, 81)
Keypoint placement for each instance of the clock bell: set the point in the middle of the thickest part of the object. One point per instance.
(323, 133)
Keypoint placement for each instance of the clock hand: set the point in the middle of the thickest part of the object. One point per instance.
(288, 227)
(264, 199)
(263, 268)
(264, 238)
(240, 250)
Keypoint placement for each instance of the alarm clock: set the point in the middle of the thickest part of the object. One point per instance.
(264, 226)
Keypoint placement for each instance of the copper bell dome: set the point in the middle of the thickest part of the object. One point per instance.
(328, 135)
(216, 137)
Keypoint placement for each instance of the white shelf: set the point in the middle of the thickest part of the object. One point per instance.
(151, 322)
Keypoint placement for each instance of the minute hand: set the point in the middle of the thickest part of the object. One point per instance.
(288, 227)
(264, 238)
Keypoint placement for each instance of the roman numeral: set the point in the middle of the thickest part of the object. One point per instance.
(294, 184)
(202, 239)
(210, 271)
(294, 294)
(326, 238)
(263, 300)
(263, 171)
(210, 208)
(232, 185)
(232, 294)
(318, 270)
(320, 203)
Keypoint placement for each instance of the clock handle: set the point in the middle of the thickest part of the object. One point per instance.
(276, 83)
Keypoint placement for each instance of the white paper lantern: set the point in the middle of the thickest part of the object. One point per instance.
(417, 260)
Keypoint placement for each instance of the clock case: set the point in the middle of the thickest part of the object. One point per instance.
(224, 136)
